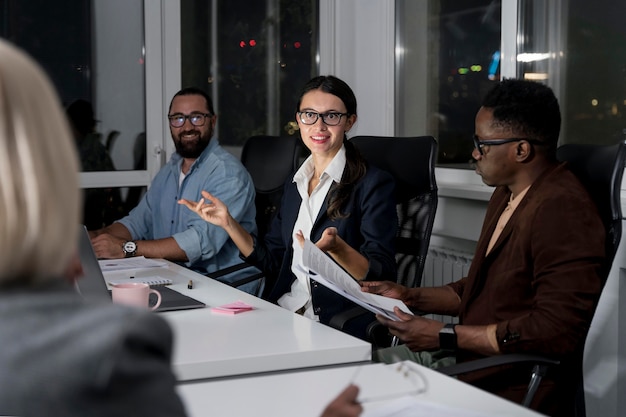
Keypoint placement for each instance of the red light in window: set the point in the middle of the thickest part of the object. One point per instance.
(297, 45)
(252, 42)
(242, 44)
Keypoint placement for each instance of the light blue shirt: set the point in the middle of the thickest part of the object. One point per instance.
(159, 215)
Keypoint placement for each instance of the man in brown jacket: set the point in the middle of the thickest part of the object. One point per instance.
(534, 281)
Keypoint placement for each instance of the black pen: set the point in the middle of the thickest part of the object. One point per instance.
(190, 284)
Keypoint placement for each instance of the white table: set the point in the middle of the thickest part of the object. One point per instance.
(306, 393)
(269, 338)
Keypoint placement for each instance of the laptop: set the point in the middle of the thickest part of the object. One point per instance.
(93, 286)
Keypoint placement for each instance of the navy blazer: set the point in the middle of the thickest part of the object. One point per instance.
(370, 228)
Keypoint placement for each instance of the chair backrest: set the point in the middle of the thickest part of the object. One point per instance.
(600, 168)
(111, 138)
(270, 160)
(411, 161)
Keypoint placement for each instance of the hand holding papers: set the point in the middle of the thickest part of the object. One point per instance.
(331, 275)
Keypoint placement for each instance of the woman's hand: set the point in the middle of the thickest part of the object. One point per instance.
(346, 256)
(329, 242)
(210, 209)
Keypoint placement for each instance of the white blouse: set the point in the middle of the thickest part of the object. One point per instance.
(300, 295)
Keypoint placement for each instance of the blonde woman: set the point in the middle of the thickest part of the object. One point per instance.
(60, 355)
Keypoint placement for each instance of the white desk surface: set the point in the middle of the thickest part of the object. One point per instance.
(306, 393)
(269, 338)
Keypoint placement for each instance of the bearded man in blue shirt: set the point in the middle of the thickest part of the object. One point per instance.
(159, 227)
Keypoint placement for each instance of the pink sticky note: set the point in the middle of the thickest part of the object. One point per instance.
(232, 308)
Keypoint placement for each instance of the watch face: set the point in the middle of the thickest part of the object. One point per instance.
(130, 247)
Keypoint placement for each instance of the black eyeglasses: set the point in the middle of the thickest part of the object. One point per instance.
(479, 144)
(196, 119)
(330, 118)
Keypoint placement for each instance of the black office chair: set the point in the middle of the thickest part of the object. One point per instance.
(139, 164)
(270, 160)
(111, 139)
(600, 169)
(411, 161)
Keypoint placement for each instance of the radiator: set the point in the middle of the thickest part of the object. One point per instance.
(443, 266)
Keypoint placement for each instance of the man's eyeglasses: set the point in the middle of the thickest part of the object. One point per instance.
(310, 117)
(196, 119)
(480, 144)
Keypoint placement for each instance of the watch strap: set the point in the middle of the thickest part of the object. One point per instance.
(447, 337)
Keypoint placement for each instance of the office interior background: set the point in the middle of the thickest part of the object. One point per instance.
(418, 67)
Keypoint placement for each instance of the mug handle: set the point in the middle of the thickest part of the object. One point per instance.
(158, 302)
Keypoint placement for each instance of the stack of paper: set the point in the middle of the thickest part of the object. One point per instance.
(331, 275)
(152, 280)
(137, 262)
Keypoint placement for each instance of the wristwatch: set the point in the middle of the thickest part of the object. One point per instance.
(447, 337)
(129, 248)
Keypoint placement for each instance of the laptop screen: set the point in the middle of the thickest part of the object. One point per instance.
(93, 286)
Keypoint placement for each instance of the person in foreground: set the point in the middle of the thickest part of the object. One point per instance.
(63, 356)
(158, 227)
(335, 199)
(534, 281)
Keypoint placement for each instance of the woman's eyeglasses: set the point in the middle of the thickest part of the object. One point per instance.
(311, 117)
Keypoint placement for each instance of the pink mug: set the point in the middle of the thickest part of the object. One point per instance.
(135, 294)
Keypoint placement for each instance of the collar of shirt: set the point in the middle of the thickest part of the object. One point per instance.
(505, 216)
(514, 202)
(334, 170)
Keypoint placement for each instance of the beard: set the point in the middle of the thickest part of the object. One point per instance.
(192, 148)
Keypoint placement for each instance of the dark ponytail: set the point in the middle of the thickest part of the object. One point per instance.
(355, 169)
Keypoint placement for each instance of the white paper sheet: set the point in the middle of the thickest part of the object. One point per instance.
(136, 262)
(331, 275)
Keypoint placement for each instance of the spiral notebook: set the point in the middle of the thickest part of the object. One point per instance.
(154, 281)
(93, 286)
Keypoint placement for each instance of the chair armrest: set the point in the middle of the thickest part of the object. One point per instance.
(237, 280)
(228, 270)
(340, 320)
(497, 360)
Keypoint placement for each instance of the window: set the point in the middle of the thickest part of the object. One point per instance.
(579, 49)
(449, 54)
(252, 58)
(93, 51)
(453, 51)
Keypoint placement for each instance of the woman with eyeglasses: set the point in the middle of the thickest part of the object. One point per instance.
(335, 199)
